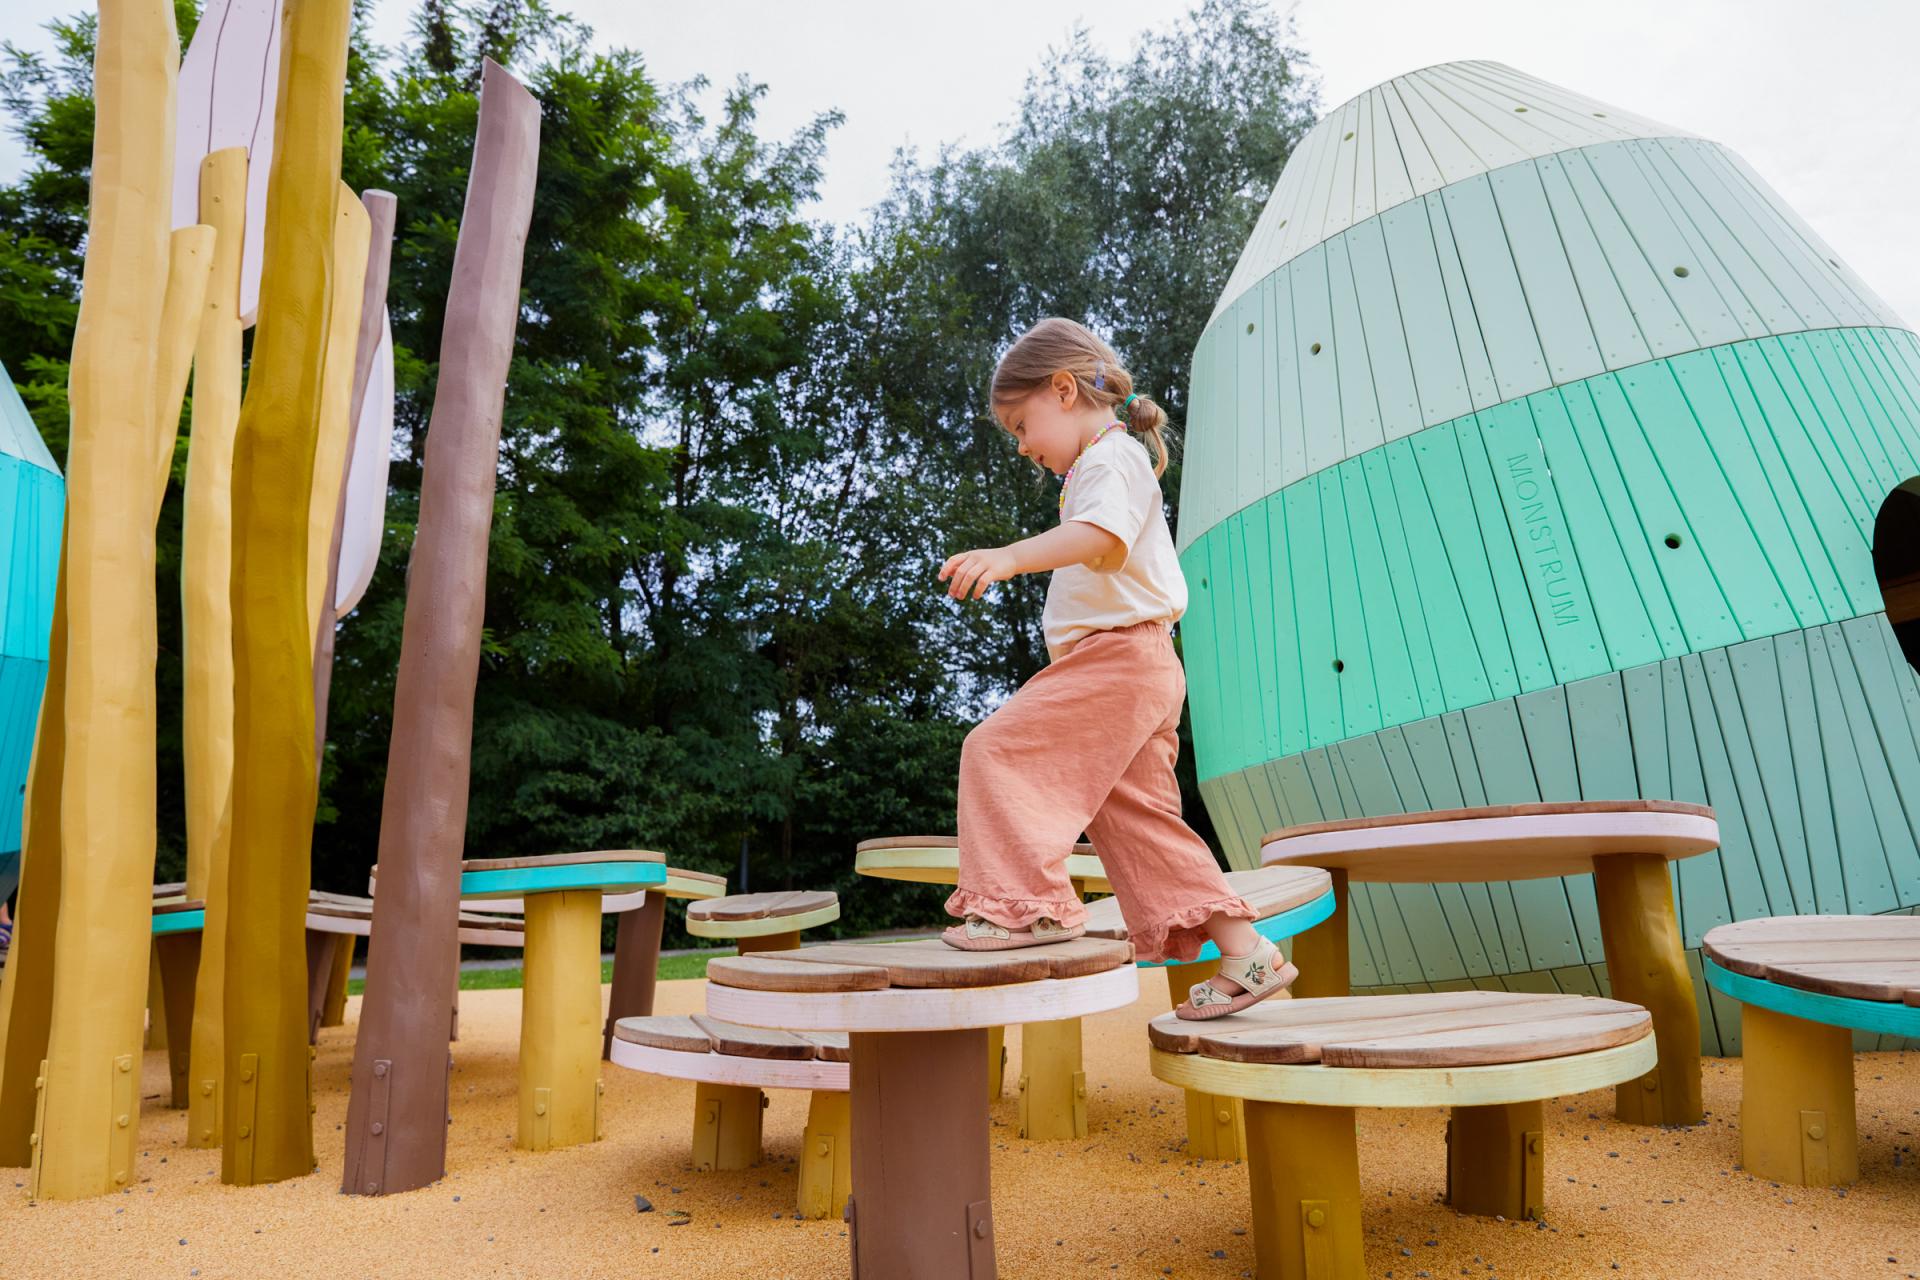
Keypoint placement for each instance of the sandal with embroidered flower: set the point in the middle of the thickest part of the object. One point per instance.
(1243, 981)
(981, 934)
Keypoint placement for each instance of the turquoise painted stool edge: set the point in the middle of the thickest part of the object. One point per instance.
(1882, 1016)
(516, 881)
(179, 922)
(1285, 924)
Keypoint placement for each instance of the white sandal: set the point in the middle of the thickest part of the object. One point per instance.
(981, 934)
(1260, 973)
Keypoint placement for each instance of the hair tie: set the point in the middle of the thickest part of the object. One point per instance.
(1126, 406)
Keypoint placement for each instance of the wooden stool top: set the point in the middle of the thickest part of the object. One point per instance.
(1428, 1049)
(343, 913)
(920, 986)
(1495, 842)
(755, 915)
(936, 860)
(680, 883)
(1856, 957)
(716, 1052)
(602, 869)
(182, 916)
(1282, 896)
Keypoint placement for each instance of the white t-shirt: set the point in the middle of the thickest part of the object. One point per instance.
(1115, 489)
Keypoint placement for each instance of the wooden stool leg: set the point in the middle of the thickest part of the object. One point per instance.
(996, 1063)
(1321, 952)
(768, 942)
(560, 1010)
(319, 973)
(1647, 966)
(335, 1012)
(156, 1000)
(1216, 1129)
(1495, 1155)
(1796, 1100)
(826, 1155)
(1053, 1088)
(179, 956)
(1304, 1170)
(726, 1126)
(636, 964)
(922, 1195)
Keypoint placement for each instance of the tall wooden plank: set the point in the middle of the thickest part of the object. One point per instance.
(1388, 643)
(1459, 665)
(1525, 632)
(1699, 889)
(1735, 745)
(1360, 427)
(1439, 375)
(1507, 326)
(1318, 359)
(1737, 862)
(1545, 918)
(1553, 297)
(1610, 320)
(1260, 677)
(1718, 259)
(1388, 359)
(1853, 405)
(1663, 327)
(1390, 535)
(1289, 704)
(1241, 347)
(1313, 611)
(1755, 671)
(1872, 470)
(1482, 386)
(1800, 698)
(1647, 731)
(1285, 351)
(1889, 818)
(1458, 523)
(1402, 912)
(1352, 665)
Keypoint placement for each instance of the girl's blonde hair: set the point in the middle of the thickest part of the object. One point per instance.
(1062, 346)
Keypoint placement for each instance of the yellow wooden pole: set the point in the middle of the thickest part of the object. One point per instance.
(1797, 1120)
(767, 942)
(156, 1002)
(26, 987)
(1496, 1156)
(826, 1155)
(1647, 966)
(190, 253)
(353, 232)
(560, 1021)
(1321, 952)
(335, 1011)
(90, 1101)
(266, 1130)
(1304, 1171)
(1216, 1129)
(726, 1126)
(1053, 1087)
(206, 623)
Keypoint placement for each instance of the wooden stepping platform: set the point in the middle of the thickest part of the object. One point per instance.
(1287, 900)
(344, 914)
(754, 915)
(730, 1065)
(918, 1014)
(1302, 1066)
(936, 860)
(1805, 983)
(1438, 1029)
(1855, 957)
(600, 869)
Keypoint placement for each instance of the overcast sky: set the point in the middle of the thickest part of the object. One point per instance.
(1810, 94)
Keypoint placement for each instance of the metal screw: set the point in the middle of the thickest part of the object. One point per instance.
(1316, 1217)
(378, 1128)
(980, 1228)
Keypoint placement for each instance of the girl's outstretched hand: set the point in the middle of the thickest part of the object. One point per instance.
(974, 571)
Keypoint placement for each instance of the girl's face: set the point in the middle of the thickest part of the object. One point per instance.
(1054, 423)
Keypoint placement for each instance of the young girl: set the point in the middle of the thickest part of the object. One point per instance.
(1089, 743)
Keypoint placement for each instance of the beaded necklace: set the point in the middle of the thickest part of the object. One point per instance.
(1067, 479)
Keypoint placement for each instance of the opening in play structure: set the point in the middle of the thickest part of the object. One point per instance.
(1896, 563)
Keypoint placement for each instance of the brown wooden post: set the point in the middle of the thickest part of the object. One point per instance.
(397, 1114)
(636, 965)
(922, 1199)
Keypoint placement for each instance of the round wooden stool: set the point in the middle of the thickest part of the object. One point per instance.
(1288, 900)
(712, 1052)
(1624, 844)
(560, 997)
(1304, 1065)
(917, 1014)
(1053, 1088)
(762, 921)
(1804, 984)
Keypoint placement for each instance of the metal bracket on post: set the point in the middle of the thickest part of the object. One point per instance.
(210, 1088)
(126, 1108)
(816, 1174)
(1026, 1100)
(1814, 1165)
(1316, 1249)
(374, 1153)
(1079, 1103)
(39, 1128)
(249, 1106)
(980, 1240)
(543, 1119)
(1533, 1194)
(599, 1090)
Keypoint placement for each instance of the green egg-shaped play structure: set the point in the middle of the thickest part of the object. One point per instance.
(1538, 451)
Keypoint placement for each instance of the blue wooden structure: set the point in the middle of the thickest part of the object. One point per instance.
(32, 505)
(1539, 451)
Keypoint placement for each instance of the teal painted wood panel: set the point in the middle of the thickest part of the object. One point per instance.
(1537, 274)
